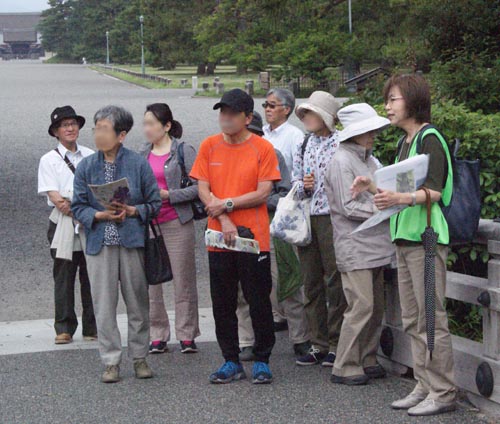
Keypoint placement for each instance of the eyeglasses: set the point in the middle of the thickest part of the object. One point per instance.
(270, 105)
(392, 99)
(68, 125)
(102, 130)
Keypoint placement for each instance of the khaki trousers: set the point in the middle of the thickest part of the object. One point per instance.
(360, 333)
(325, 301)
(180, 244)
(434, 377)
(112, 269)
(291, 310)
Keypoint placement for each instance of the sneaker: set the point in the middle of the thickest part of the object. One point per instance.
(413, 399)
(188, 346)
(158, 347)
(280, 326)
(229, 371)
(261, 374)
(63, 338)
(301, 349)
(91, 338)
(376, 371)
(111, 374)
(247, 354)
(313, 357)
(355, 380)
(329, 360)
(431, 407)
(142, 369)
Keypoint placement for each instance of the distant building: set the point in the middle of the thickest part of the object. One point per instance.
(19, 37)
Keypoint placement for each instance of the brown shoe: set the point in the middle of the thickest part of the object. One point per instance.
(63, 338)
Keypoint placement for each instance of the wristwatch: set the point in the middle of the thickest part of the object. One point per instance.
(229, 204)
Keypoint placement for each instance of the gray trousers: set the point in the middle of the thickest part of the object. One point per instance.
(118, 268)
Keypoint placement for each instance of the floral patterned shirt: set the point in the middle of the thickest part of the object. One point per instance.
(317, 155)
(111, 235)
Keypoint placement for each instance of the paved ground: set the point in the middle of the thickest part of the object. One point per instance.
(62, 386)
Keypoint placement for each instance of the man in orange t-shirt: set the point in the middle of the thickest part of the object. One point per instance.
(235, 172)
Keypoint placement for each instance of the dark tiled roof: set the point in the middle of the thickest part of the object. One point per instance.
(19, 21)
(28, 35)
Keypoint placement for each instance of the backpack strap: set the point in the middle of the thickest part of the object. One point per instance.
(420, 136)
(431, 129)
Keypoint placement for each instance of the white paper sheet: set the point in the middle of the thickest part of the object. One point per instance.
(402, 177)
(216, 239)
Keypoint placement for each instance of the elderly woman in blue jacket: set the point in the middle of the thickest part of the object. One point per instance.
(115, 239)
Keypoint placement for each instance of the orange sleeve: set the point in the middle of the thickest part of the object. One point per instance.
(200, 171)
(269, 167)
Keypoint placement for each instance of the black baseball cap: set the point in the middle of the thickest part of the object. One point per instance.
(256, 124)
(237, 100)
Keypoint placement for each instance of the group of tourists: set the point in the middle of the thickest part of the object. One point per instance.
(329, 294)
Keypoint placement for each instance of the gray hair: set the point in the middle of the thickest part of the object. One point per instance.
(121, 118)
(285, 96)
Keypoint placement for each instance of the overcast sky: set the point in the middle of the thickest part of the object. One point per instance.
(8, 6)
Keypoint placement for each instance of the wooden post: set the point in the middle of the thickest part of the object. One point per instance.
(491, 318)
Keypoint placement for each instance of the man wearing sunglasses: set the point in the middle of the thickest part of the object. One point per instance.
(288, 312)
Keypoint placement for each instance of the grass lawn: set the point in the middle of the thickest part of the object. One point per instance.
(227, 75)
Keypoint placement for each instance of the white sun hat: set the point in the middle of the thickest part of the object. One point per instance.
(324, 104)
(358, 119)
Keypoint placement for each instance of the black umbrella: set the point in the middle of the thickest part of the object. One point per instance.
(429, 240)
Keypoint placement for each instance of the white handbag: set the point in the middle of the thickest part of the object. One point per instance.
(292, 222)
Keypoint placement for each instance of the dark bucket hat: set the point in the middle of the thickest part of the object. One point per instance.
(61, 113)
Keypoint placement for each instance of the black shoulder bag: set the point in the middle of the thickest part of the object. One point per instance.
(197, 205)
(156, 260)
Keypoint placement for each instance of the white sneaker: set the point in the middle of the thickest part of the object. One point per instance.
(431, 407)
(413, 399)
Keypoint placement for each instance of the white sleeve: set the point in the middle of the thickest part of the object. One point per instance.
(47, 180)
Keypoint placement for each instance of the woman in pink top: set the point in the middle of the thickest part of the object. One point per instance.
(176, 222)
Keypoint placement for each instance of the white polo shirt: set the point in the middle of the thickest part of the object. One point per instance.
(287, 138)
(54, 174)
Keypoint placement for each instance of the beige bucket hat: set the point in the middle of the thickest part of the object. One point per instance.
(324, 104)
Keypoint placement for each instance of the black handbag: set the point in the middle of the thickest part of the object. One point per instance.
(197, 205)
(156, 260)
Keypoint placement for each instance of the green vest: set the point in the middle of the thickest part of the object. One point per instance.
(410, 223)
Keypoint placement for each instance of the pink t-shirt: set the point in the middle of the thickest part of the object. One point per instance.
(157, 163)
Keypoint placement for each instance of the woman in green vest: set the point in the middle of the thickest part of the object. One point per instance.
(408, 106)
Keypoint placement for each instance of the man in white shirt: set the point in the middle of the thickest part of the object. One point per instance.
(55, 181)
(287, 139)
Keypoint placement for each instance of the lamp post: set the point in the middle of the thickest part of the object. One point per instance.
(141, 20)
(107, 47)
(350, 17)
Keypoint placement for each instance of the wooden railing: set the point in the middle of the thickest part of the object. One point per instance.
(477, 365)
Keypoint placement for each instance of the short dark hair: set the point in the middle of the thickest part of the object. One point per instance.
(416, 93)
(163, 113)
(120, 117)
